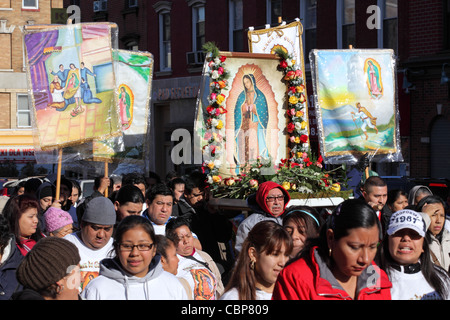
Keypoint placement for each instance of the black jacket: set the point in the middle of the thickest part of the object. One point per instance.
(8, 281)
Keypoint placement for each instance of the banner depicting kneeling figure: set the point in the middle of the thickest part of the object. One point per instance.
(71, 83)
(356, 104)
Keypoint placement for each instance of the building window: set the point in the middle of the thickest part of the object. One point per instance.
(389, 33)
(198, 27)
(164, 41)
(30, 4)
(23, 111)
(346, 23)
(236, 25)
(308, 14)
(274, 11)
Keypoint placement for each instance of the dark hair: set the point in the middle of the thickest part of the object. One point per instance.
(158, 189)
(172, 183)
(174, 224)
(265, 236)
(195, 180)
(306, 214)
(5, 234)
(131, 222)
(129, 193)
(374, 181)
(75, 184)
(394, 194)
(350, 214)
(432, 273)
(432, 199)
(134, 178)
(162, 244)
(13, 210)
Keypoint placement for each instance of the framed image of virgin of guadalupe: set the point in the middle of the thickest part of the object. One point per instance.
(255, 121)
(356, 104)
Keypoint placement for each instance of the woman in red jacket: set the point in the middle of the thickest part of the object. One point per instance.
(339, 264)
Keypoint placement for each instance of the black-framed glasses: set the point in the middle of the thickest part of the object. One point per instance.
(141, 246)
(272, 198)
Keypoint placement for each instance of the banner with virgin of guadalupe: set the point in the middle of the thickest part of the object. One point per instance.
(71, 83)
(356, 104)
(133, 75)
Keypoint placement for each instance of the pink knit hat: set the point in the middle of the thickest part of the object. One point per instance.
(56, 218)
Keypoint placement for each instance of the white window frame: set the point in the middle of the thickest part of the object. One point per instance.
(303, 19)
(30, 7)
(340, 22)
(194, 24)
(380, 32)
(162, 53)
(19, 112)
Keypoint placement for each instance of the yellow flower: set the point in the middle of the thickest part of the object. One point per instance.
(211, 165)
(220, 98)
(286, 185)
(299, 114)
(217, 179)
(219, 125)
(304, 124)
(293, 100)
(335, 187)
(300, 88)
(297, 140)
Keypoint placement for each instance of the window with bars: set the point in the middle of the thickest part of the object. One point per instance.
(165, 45)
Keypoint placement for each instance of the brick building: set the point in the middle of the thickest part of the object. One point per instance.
(174, 31)
(16, 141)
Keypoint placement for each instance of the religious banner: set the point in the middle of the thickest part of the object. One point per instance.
(133, 75)
(249, 124)
(356, 104)
(71, 83)
(287, 37)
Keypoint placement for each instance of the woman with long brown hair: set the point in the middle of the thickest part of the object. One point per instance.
(264, 253)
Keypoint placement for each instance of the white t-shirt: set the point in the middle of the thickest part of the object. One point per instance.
(201, 280)
(90, 259)
(411, 286)
(233, 294)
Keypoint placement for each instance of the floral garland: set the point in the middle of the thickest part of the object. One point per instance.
(296, 110)
(214, 135)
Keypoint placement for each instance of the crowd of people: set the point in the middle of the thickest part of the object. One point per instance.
(147, 238)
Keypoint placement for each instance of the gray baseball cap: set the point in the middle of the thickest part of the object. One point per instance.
(100, 210)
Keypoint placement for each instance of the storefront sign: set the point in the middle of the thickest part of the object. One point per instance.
(17, 154)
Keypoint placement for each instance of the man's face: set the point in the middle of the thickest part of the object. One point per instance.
(195, 196)
(96, 236)
(376, 196)
(160, 209)
(65, 193)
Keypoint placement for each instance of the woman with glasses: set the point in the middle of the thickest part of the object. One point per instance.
(268, 203)
(136, 272)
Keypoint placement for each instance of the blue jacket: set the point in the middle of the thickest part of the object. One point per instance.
(8, 281)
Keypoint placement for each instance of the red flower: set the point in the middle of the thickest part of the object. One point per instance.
(222, 58)
(290, 127)
(292, 89)
(283, 64)
(303, 138)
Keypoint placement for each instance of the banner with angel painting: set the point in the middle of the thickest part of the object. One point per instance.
(133, 74)
(356, 104)
(71, 83)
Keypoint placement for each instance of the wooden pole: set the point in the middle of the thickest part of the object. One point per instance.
(58, 175)
(106, 176)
